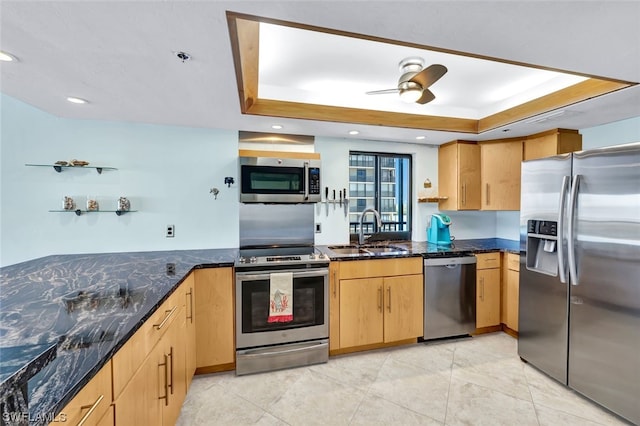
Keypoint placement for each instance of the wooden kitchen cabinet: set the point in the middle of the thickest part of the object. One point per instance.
(154, 395)
(334, 306)
(214, 310)
(488, 290)
(190, 327)
(381, 301)
(511, 290)
(91, 404)
(552, 142)
(459, 175)
(500, 170)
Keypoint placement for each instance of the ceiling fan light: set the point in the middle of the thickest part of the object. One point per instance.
(410, 95)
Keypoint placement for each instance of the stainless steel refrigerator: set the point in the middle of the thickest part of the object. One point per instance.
(579, 316)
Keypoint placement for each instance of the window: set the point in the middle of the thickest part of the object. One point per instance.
(382, 182)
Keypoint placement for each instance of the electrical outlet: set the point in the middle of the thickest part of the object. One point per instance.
(318, 228)
(170, 231)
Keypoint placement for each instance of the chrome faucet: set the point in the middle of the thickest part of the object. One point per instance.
(377, 215)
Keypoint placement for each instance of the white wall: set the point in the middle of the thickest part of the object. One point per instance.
(616, 133)
(335, 175)
(165, 171)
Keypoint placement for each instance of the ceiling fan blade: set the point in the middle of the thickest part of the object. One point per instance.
(429, 75)
(383, 92)
(427, 96)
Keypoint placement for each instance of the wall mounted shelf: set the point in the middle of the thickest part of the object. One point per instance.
(79, 212)
(58, 168)
(431, 199)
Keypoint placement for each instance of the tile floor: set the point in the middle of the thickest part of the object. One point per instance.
(473, 381)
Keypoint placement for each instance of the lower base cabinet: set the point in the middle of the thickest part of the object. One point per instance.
(488, 290)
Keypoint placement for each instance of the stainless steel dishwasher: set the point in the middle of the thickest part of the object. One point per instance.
(449, 296)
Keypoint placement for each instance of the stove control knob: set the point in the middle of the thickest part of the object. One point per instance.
(312, 256)
(242, 259)
(323, 256)
(253, 259)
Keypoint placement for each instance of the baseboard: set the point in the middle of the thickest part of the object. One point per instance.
(216, 368)
(353, 349)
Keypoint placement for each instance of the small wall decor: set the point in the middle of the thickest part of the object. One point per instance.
(229, 181)
(215, 192)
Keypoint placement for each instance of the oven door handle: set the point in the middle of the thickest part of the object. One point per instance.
(244, 276)
(277, 350)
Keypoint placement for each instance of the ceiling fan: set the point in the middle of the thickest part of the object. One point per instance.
(414, 82)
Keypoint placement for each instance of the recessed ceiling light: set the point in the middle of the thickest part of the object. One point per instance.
(420, 137)
(74, 100)
(7, 57)
(277, 126)
(354, 132)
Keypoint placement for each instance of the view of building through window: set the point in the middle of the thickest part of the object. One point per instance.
(382, 182)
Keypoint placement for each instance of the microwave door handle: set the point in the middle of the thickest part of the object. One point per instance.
(561, 229)
(306, 180)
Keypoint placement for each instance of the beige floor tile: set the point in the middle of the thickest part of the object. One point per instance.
(470, 404)
(377, 411)
(432, 358)
(504, 375)
(551, 417)
(413, 388)
(315, 399)
(358, 369)
(549, 393)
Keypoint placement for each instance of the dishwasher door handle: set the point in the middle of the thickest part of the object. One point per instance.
(450, 261)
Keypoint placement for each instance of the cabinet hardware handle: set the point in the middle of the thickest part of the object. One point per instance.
(464, 194)
(190, 316)
(91, 408)
(380, 298)
(487, 194)
(171, 366)
(166, 380)
(389, 293)
(335, 284)
(168, 314)
(482, 289)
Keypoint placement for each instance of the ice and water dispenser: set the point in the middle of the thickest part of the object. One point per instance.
(542, 246)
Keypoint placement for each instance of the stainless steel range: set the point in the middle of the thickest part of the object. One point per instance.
(282, 290)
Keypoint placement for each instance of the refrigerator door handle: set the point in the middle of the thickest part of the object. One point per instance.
(573, 198)
(562, 267)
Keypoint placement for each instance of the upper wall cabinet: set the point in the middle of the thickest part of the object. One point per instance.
(552, 142)
(459, 175)
(500, 164)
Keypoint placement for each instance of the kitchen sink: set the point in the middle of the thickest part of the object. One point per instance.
(368, 250)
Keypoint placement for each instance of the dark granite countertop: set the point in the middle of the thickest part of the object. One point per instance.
(424, 249)
(86, 306)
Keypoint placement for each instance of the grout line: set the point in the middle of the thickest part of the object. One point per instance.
(446, 406)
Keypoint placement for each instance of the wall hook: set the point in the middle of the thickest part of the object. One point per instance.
(215, 192)
(229, 181)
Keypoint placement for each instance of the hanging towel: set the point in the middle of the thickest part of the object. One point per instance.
(281, 297)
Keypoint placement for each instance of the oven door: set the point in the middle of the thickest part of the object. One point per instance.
(310, 309)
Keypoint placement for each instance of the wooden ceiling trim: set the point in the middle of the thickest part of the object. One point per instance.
(587, 89)
(276, 108)
(245, 45)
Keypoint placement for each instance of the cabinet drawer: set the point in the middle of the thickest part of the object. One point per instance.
(129, 358)
(380, 268)
(488, 260)
(513, 261)
(91, 403)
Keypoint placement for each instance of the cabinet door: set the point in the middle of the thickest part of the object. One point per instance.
(361, 312)
(459, 176)
(190, 318)
(91, 403)
(214, 311)
(173, 346)
(513, 294)
(334, 306)
(140, 401)
(403, 307)
(500, 175)
(487, 297)
(557, 141)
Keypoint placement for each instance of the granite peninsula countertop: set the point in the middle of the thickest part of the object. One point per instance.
(86, 306)
(62, 317)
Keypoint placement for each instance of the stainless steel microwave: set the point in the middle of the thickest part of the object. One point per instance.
(282, 179)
